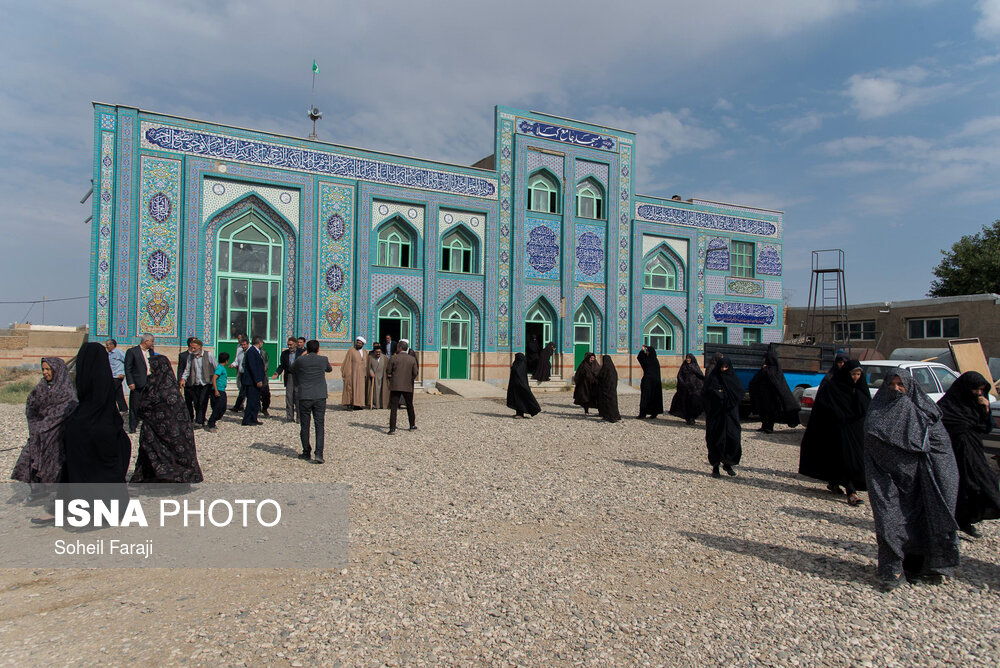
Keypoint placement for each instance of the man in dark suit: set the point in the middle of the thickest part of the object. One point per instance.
(288, 357)
(254, 373)
(401, 373)
(310, 385)
(182, 361)
(136, 375)
(388, 346)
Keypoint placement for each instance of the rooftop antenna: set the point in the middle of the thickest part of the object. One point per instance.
(314, 113)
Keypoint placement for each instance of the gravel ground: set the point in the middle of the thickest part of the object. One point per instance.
(562, 540)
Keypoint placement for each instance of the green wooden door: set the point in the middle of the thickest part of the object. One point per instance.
(455, 326)
(248, 286)
(583, 336)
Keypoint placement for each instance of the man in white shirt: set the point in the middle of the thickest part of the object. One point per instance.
(196, 381)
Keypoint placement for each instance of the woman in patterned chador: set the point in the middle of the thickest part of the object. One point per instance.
(166, 441)
(49, 404)
(912, 483)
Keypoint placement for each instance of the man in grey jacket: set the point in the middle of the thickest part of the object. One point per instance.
(401, 373)
(310, 386)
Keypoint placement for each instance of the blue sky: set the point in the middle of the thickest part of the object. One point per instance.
(874, 125)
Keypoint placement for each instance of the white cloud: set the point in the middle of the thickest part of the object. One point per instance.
(890, 92)
(981, 126)
(802, 125)
(722, 104)
(988, 25)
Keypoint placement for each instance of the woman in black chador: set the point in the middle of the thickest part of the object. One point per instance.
(965, 410)
(722, 395)
(519, 396)
(543, 371)
(833, 446)
(651, 387)
(532, 351)
(584, 383)
(606, 389)
(687, 399)
(166, 441)
(770, 396)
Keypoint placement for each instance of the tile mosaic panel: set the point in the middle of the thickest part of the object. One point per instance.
(772, 290)
(715, 284)
(717, 258)
(744, 287)
(105, 225)
(506, 227)
(125, 271)
(653, 303)
(742, 313)
(219, 193)
(551, 292)
(411, 213)
(335, 278)
(768, 261)
(159, 246)
(328, 163)
(542, 249)
(412, 287)
(536, 159)
(597, 170)
(709, 221)
(473, 222)
(565, 135)
(589, 255)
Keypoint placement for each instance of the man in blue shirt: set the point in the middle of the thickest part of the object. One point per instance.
(117, 359)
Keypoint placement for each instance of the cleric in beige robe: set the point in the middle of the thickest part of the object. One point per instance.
(377, 385)
(353, 371)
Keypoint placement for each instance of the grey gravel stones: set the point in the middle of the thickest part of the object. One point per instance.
(560, 540)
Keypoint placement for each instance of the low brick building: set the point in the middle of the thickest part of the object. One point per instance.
(918, 323)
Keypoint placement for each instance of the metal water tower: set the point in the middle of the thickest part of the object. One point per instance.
(826, 319)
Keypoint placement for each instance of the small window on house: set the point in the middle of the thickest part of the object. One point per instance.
(659, 273)
(589, 200)
(395, 246)
(458, 253)
(741, 259)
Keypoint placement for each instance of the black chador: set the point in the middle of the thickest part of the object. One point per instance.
(770, 396)
(833, 447)
(532, 352)
(686, 403)
(543, 372)
(967, 419)
(607, 390)
(584, 383)
(519, 396)
(651, 386)
(722, 395)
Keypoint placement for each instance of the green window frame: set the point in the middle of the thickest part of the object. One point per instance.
(659, 273)
(589, 200)
(543, 194)
(741, 259)
(396, 310)
(458, 254)
(395, 246)
(716, 334)
(540, 314)
(659, 335)
(456, 323)
(751, 335)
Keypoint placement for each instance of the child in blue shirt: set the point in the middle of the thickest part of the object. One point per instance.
(220, 378)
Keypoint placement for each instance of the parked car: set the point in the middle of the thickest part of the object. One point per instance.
(934, 378)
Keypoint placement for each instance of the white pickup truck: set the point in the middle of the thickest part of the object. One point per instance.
(933, 378)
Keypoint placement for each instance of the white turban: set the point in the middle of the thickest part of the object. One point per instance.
(361, 339)
(406, 341)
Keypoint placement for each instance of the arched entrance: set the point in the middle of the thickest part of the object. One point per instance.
(540, 321)
(456, 326)
(248, 284)
(583, 334)
(395, 319)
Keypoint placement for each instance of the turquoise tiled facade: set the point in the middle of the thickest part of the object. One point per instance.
(168, 187)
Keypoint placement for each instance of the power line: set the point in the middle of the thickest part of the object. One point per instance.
(39, 301)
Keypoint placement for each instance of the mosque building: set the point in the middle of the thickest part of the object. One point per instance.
(208, 230)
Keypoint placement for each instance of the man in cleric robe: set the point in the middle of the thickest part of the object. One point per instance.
(354, 370)
(378, 385)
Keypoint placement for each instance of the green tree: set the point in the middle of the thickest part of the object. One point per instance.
(971, 267)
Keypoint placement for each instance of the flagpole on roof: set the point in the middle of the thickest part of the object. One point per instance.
(314, 113)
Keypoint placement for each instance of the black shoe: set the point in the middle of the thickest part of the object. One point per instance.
(715, 472)
(236, 409)
(265, 414)
(319, 460)
(413, 427)
(971, 531)
(729, 469)
(391, 432)
(890, 583)
(305, 456)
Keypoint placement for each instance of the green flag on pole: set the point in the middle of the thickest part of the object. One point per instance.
(315, 68)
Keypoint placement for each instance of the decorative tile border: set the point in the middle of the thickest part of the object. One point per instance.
(506, 227)
(565, 135)
(125, 272)
(708, 221)
(270, 154)
(159, 246)
(335, 278)
(105, 225)
(626, 168)
(217, 194)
